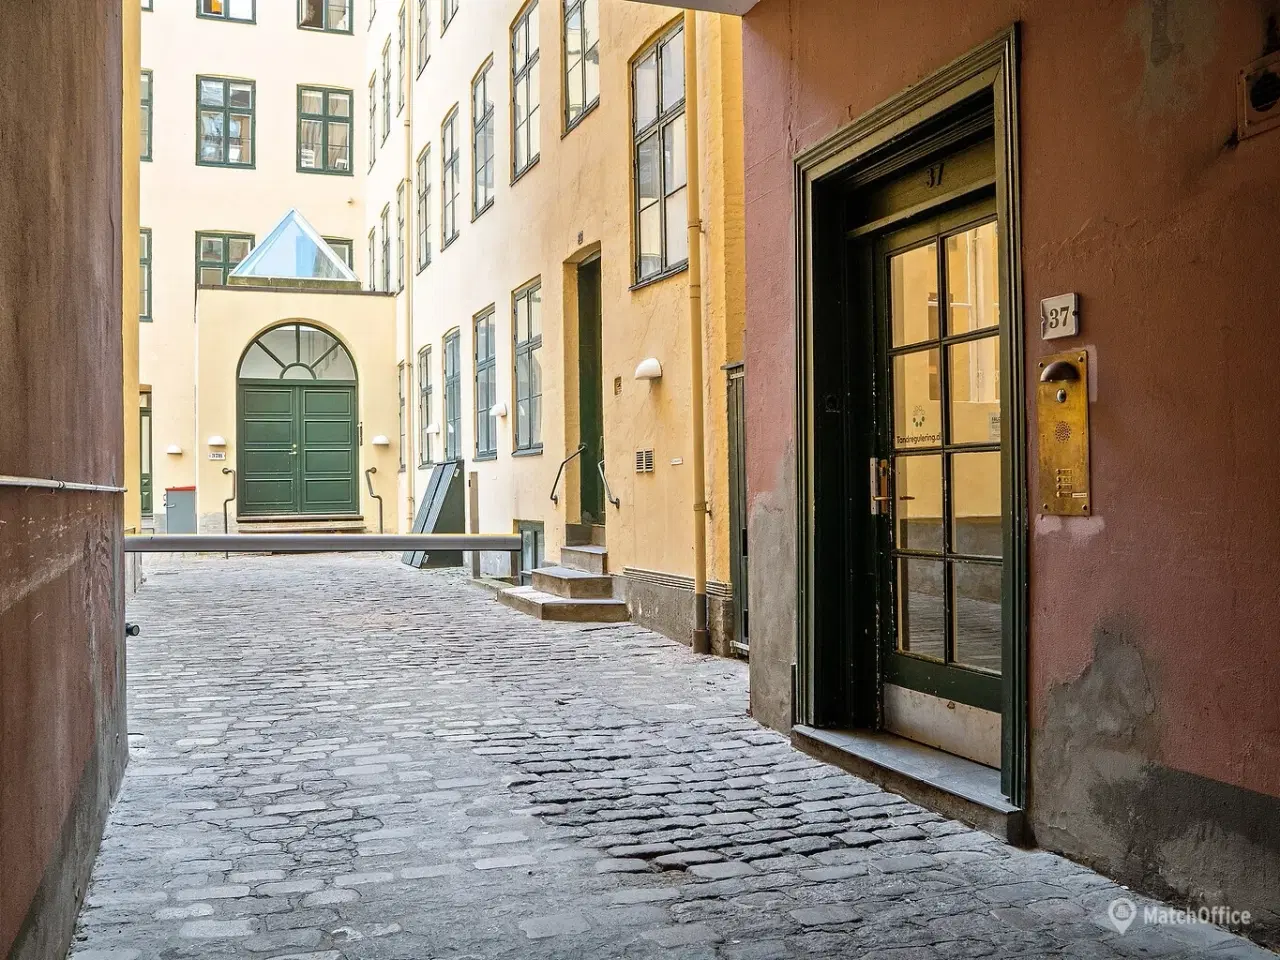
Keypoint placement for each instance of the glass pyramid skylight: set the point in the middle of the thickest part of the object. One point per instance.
(293, 251)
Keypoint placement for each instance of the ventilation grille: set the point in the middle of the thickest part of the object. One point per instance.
(644, 461)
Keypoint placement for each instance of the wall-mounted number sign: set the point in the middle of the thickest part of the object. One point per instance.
(1060, 316)
(217, 455)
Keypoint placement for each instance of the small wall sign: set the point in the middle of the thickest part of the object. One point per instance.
(217, 454)
(1060, 316)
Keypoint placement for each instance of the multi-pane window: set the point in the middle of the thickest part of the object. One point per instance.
(345, 249)
(331, 16)
(225, 118)
(324, 130)
(145, 479)
(424, 208)
(524, 90)
(424, 32)
(486, 387)
(424, 406)
(144, 274)
(385, 223)
(527, 319)
(452, 395)
(373, 119)
(404, 435)
(661, 213)
(386, 90)
(244, 11)
(481, 142)
(148, 99)
(402, 65)
(581, 58)
(373, 259)
(400, 236)
(447, 9)
(451, 178)
(217, 254)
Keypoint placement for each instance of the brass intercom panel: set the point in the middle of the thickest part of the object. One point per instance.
(1062, 417)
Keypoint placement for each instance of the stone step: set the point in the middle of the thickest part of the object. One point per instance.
(303, 525)
(547, 606)
(587, 557)
(572, 584)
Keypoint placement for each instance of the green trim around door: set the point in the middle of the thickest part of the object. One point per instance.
(975, 96)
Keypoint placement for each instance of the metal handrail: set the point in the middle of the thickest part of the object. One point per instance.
(225, 522)
(368, 478)
(608, 494)
(554, 498)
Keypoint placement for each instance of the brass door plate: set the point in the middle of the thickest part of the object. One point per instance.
(1062, 417)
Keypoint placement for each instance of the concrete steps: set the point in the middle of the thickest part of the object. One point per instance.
(549, 606)
(587, 557)
(572, 584)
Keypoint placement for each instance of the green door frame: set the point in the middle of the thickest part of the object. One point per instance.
(590, 392)
(907, 128)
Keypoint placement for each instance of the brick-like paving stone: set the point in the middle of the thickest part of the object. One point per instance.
(338, 757)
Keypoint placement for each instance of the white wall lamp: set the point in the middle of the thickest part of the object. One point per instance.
(173, 450)
(381, 440)
(649, 369)
(433, 429)
(217, 440)
(499, 409)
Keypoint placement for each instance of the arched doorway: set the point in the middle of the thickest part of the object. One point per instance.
(296, 417)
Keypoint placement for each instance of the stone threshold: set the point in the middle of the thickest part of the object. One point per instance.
(953, 786)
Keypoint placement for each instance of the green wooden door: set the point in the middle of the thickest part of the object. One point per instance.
(297, 449)
(590, 393)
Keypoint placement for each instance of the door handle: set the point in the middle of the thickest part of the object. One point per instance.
(879, 487)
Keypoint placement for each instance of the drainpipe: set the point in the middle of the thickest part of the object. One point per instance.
(701, 641)
(410, 467)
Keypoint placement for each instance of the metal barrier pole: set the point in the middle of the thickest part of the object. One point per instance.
(321, 542)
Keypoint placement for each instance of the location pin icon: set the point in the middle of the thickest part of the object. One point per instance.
(1122, 912)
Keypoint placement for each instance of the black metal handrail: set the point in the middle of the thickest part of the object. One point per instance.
(560, 472)
(608, 494)
(368, 478)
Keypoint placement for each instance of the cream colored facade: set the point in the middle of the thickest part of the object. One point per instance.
(180, 197)
(574, 203)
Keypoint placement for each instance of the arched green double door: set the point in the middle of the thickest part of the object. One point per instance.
(297, 436)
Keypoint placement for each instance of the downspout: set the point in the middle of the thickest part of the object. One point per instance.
(701, 641)
(410, 467)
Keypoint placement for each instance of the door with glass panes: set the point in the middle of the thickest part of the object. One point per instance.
(939, 478)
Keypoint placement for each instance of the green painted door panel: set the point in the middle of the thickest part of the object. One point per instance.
(590, 396)
(297, 449)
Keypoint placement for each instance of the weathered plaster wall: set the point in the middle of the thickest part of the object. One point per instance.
(1153, 645)
(228, 320)
(62, 727)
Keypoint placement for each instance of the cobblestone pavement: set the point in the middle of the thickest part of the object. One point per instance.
(339, 757)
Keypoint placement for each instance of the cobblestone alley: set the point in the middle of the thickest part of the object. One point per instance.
(339, 757)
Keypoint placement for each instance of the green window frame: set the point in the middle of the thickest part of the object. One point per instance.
(146, 478)
(453, 395)
(526, 141)
(424, 34)
(148, 101)
(148, 5)
(233, 11)
(486, 386)
(660, 215)
(424, 407)
(424, 208)
(482, 147)
(324, 130)
(386, 90)
(385, 223)
(325, 16)
(373, 259)
(224, 111)
(404, 437)
(448, 10)
(218, 253)
(400, 236)
(344, 248)
(373, 119)
(526, 316)
(450, 177)
(581, 62)
(402, 64)
(144, 275)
